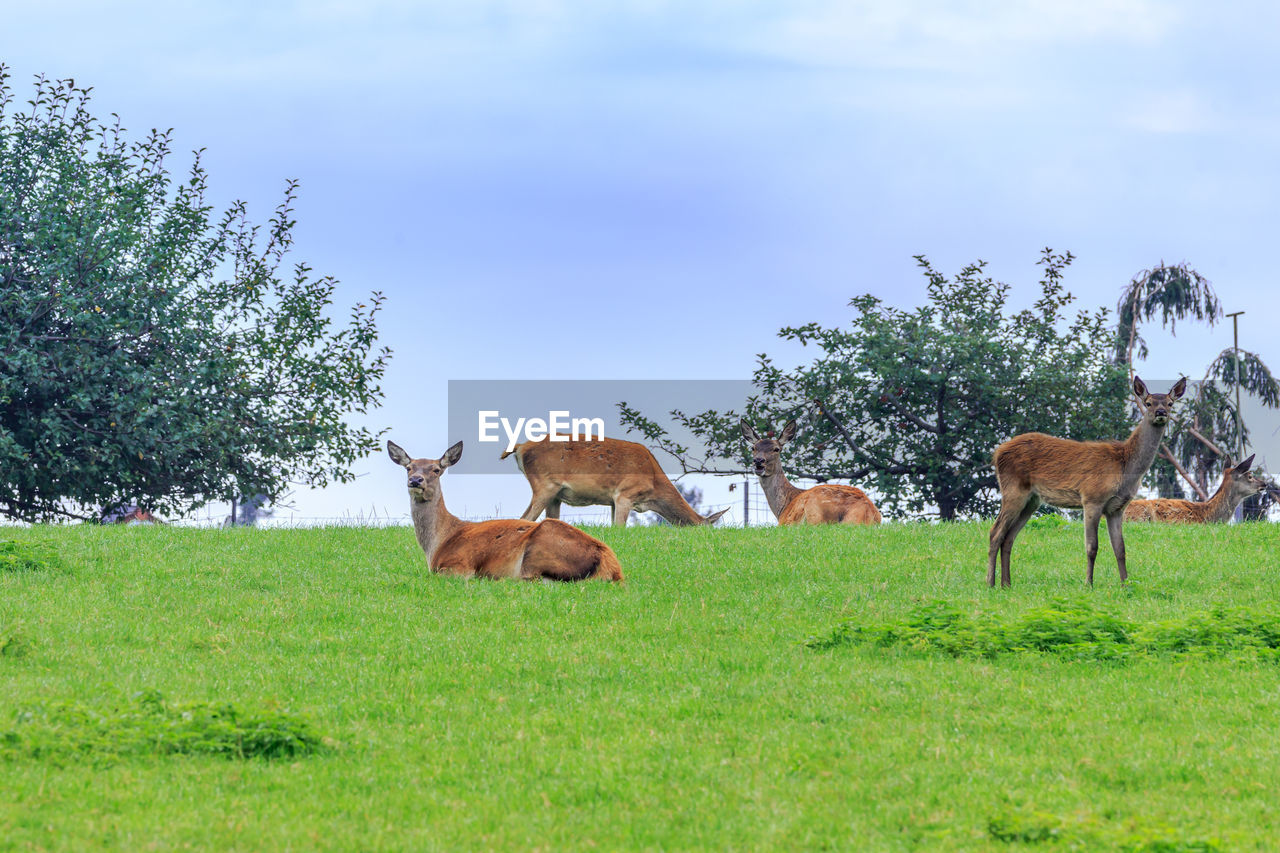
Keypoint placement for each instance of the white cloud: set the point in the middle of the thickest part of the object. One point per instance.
(1173, 112)
(940, 35)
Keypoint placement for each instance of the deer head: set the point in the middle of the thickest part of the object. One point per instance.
(1158, 406)
(765, 452)
(424, 474)
(1242, 483)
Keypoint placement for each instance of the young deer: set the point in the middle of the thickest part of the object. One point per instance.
(1237, 484)
(506, 548)
(619, 474)
(827, 503)
(1099, 476)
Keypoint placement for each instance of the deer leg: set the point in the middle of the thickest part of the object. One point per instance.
(1006, 550)
(553, 508)
(542, 498)
(1010, 507)
(1115, 529)
(1092, 515)
(621, 509)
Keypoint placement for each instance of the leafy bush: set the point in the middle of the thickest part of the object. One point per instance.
(1074, 630)
(148, 725)
(23, 557)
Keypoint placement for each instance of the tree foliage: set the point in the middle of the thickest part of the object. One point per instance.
(150, 351)
(1208, 430)
(1174, 293)
(925, 395)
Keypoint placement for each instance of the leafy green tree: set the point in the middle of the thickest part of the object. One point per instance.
(911, 404)
(1202, 439)
(150, 351)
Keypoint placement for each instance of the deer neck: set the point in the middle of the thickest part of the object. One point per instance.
(432, 523)
(1223, 504)
(1142, 446)
(674, 508)
(778, 491)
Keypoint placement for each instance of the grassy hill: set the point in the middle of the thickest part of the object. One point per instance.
(853, 689)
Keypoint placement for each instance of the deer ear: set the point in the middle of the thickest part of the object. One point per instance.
(397, 454)
(1243, 467)
(1179, 388)
(451, 456)
(749, 433)
(1139, 387)
(788, 432)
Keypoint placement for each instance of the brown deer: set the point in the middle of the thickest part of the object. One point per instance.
(1237, 484)
(827, 503)
(605, 471)
(505, 548)
(1099, 476)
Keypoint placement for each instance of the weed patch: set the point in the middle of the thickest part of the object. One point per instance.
(24, 557)
(1073, 630)
(13, 640)
(1018, 827)
(148, 725)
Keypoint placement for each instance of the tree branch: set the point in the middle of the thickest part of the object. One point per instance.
(911, 416)
(1165, 453)
(1206, 442)
(896, 468)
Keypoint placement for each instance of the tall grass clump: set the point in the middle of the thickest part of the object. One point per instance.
(24, 556)
(147, 724)
(1067, 629)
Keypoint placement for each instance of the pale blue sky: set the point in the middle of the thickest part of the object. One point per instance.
(651, 189)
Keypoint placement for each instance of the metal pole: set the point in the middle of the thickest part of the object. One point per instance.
(746, 503)
(1235, 334)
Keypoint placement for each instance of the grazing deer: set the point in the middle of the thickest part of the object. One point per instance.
(605, 471)
(1099, 476)
(827, 503)
(506, 548)
(1237, 484)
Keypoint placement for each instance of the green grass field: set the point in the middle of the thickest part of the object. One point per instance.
(379, 707)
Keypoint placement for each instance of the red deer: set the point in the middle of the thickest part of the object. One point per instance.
(1237, 484)
(827, 503)
(1099, 476)
(506, 548)
(606, 471)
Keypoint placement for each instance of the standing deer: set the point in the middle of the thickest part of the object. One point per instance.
(605, 471)
(1237, 484)
(1099, 476)
(506, 548)
(827, 503)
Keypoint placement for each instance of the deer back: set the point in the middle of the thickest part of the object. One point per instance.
(830, 503)
(1062, 471)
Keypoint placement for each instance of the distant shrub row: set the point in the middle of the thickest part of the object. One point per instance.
(1072, 630)
(148, 725)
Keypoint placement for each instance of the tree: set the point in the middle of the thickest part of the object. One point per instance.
(926, 395)
(150, 352)
(1208, 428)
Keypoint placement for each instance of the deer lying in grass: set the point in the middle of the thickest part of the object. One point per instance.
(1237, 484)
(611, 472)
(827, 503)
(550, 550)
(1099, 476)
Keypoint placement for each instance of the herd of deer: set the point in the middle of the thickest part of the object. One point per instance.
(1099, 477)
